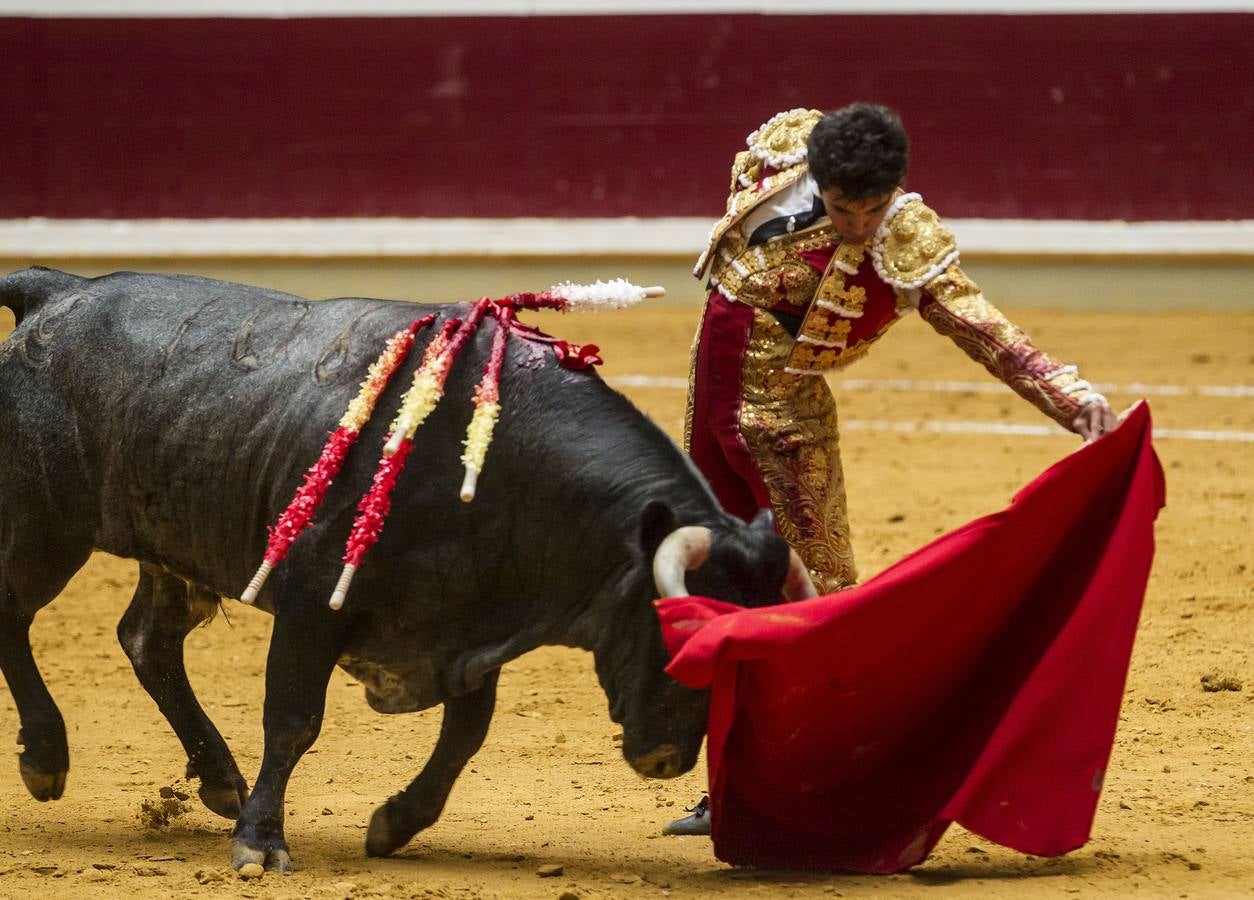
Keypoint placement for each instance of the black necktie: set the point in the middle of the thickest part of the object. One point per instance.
(779, 225)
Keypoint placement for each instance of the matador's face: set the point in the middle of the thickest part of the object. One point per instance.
(855, 220)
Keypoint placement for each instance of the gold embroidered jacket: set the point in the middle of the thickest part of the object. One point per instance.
(849, 295)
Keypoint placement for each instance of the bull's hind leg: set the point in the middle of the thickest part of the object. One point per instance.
(162, 612)
(465, 725)
(29, 580)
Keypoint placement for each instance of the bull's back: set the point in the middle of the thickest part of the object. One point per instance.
(177, 416)
(172, 412)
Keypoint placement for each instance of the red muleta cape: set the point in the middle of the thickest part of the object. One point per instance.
(978, 681)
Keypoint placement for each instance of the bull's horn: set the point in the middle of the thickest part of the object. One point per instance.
(798, 585)
(683, 550)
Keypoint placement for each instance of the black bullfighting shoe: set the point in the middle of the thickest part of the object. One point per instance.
(696, 823)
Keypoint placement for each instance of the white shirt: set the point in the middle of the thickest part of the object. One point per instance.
(795, 200)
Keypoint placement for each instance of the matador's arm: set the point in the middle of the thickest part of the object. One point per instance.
(953, 305)
(917, 254)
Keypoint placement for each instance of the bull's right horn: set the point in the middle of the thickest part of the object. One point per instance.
(683, 550)
(798, 585)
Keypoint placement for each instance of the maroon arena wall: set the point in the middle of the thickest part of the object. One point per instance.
(1138, 117)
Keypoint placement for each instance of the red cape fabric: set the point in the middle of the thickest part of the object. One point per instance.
(978, 681)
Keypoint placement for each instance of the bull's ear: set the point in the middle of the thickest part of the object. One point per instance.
(763, 521)
(656, 522)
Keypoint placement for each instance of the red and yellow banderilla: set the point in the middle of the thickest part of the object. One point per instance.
(420, 400)
(299, 512)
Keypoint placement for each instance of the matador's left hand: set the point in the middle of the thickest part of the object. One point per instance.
(1094, 420)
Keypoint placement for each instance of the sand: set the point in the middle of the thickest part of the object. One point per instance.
(548, 808)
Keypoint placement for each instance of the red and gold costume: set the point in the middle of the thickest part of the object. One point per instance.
(789, 301)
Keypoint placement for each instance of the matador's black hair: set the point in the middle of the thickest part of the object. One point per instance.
(861, 149)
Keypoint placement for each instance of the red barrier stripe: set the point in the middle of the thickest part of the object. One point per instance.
(1096, 117)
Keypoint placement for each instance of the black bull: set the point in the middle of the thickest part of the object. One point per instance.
(168, 420)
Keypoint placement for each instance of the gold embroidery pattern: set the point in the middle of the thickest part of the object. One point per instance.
(812, 358)
(827, 333)
(833, 334)
(732, 245)
(745, 167)
(914, 247)
(781, 141)
(806, 358)
(692, 379)
(788, 280)
(740, 201)
(827, 324)
(961, 313)
(766, 274)
(849, 257)
(789, 424)
(845, 299)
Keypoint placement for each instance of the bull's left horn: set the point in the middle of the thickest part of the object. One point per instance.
(683, 550)
(798, 585)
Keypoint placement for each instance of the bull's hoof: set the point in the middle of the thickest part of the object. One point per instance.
(43, 786)
(225, 799)
(276, 859)
(387, 832)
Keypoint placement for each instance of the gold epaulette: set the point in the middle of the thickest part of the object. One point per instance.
(912, 247)
(778, 144)
(746, 170)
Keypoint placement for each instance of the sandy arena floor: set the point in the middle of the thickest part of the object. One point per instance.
(549, 787)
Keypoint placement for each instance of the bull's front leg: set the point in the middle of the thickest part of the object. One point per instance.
(45, 756)
(465, 725)
(303, 650)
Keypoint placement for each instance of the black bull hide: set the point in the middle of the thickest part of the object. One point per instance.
(169, 419)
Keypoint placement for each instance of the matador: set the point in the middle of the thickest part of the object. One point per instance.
(821, 251)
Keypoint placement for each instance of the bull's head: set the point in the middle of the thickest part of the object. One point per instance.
(663, 721)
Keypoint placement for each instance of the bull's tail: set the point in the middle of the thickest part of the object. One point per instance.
(25, 291)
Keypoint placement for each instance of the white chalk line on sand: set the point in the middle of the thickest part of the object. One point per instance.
(937, 427)
(934, 427)
(1136, 388)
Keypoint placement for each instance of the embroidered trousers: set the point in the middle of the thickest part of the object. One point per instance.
(763, 437)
